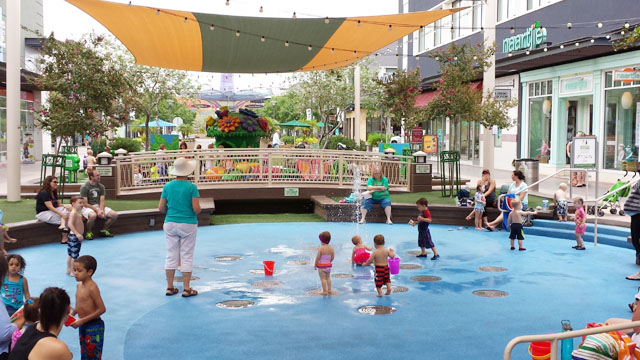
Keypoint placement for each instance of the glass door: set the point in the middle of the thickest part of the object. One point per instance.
(572, 120)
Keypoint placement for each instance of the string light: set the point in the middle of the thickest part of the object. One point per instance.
(294, 15)
(510, 54)
(262, 38)
(622, 32)
(545, 49)
(226, 2)
(211, 27)
(185, 19)
(599, 25)
(593, 40)
(527, 52)
(326, 20)
(416, 57)
(561, 46)
(390, 28)
(569, 25)
(310, 48)
(286, 43)
(512, 30)
(626, 25)
(237, 32)
(332, 50)
(129, 3)
(261, 10)
(355, 53)
(577, 44)
(608, 37)
(158, 12)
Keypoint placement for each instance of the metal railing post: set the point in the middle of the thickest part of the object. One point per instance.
(340, 172)
(118, 175)
(270, 168)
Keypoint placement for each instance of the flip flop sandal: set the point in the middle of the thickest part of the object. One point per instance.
(189, 293)
(172, 291)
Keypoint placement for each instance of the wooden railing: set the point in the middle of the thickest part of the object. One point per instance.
(268, 167)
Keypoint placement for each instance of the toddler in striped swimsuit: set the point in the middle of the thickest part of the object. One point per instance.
(380, 258)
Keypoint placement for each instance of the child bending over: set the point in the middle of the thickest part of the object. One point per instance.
(560, 198)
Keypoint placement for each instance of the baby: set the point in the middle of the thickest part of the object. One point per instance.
(560, 198)
(359, 254)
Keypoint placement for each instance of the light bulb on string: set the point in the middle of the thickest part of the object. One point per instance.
(326, 20)
(262, 38)
(333, 50)
(237, 33)
(286, 43)
(545, 49)
(294, 15)
(358, 23)
(390, 28)
(577, 44)
(626, 25)
(261, 9)
(226, 2)
(129, 3)
(593, 40)
(310, 48)
(355, 53)
(622, 32)
(510, 54)
(599, 25)
(608, 37)
(569, 25)
(527, 52)
(185, 19)
(512, 30)
(211, 27)
(561, 46)
(157, 11)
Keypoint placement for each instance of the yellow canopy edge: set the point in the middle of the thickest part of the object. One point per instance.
(163, 40)
(371, 35)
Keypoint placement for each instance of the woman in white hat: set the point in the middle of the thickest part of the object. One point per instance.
(180, 201)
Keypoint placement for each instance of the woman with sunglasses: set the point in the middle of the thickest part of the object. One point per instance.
(49, 209)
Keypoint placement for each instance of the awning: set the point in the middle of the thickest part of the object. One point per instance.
(159, 123)
(294, 123)
(240, 44)
(425, 98)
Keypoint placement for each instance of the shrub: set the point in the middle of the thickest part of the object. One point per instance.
(287, 139)
(333, 143)
(98, 146)
(131, 145)
(374, 139)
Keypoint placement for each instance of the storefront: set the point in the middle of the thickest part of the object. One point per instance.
(28, 130)
(599, 97)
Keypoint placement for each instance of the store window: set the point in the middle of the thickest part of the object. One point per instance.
(476, 15)
(455, 20)
(27, 129)
(540, 119)
(506, 9)
(437, 33)
(421, 47)
(622, 118)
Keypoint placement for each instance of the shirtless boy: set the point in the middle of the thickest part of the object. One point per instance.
(89, 307)
(380, 258)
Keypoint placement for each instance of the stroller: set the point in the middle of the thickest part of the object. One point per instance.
(612, 202)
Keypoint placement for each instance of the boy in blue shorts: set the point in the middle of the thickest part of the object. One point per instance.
(424, 235)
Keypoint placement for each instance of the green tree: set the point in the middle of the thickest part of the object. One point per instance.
(89, 92)
(456, 99)
(287, 107)
(152, 86)
(170, 108)
(185, 129)
(631, 38)
(400, 97)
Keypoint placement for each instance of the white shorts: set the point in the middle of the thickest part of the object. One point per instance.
(50, 217)
(181, 242)
(86, 211)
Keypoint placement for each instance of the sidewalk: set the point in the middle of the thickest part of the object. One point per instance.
(29, 174)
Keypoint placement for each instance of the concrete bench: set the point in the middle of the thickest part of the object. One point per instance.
(34, 232)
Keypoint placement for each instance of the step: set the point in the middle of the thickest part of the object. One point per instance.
(570, 225)
(612, 240)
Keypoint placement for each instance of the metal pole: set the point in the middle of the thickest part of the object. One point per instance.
(489, 78)
(356, 91)
(13, 100)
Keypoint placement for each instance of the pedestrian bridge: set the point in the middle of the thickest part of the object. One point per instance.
(218, 169)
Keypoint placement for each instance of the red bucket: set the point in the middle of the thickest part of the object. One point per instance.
(540, 350)
(268, 267)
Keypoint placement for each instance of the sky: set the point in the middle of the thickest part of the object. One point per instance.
(68, 22)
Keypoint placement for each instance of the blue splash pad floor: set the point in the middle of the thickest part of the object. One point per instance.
(441, 320)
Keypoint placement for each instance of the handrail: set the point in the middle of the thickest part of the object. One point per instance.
(564, 335)
(536, 183)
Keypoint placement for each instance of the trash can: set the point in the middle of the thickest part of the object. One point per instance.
(531, 170)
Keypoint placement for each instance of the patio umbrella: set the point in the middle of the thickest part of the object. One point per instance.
(159, 123)
(294, 123)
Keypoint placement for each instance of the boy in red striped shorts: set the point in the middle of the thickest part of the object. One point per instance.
(380, 258)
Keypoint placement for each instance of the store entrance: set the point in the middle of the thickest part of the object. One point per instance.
(579, 118)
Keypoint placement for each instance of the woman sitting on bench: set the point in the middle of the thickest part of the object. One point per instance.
(378, 185)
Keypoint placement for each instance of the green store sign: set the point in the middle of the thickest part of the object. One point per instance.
(530, 39)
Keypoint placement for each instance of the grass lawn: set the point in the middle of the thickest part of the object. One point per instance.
(263, 218)
(26, 208)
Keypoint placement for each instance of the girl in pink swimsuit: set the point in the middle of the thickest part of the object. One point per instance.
(359, 255)
(323, 262)
(581, 226)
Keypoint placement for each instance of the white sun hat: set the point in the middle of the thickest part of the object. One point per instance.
(183, 167)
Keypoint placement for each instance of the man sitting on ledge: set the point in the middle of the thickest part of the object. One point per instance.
(93, 193)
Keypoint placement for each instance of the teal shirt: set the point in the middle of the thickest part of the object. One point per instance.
(179, 195)
(379, 195)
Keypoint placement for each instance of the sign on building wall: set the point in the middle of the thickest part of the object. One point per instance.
(627, 75)
(530, 39)
(578, 84)
(416, 135)
(502, 94)
(638, 123)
